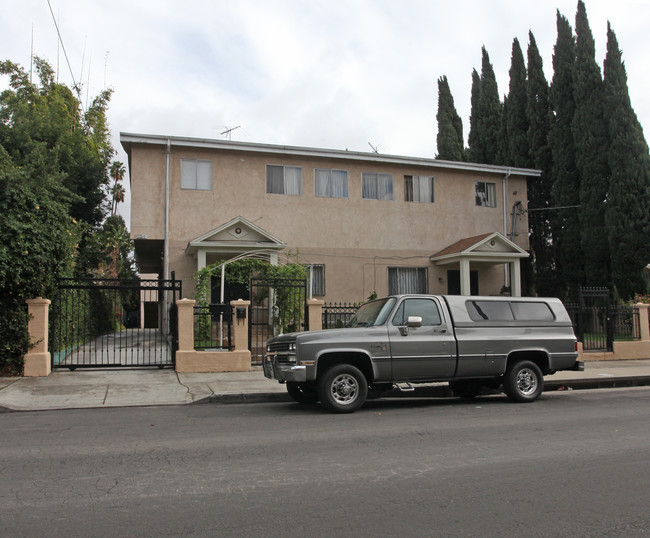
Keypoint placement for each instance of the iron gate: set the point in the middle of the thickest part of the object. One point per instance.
(111, 323)
(595, 330)
(278, 305)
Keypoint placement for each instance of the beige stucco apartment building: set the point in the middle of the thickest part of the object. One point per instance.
(365, 222)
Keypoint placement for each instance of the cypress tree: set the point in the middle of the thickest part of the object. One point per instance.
(628, 207)
(591, 142)
(516, 118)
(486, 115)
(564, 175)
(475, 152)
(539, 189)
(490, 111)
(450, 126)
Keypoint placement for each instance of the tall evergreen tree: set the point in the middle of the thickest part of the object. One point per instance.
(628, 204)
(486, 115)
(565, 179)
(539, 189)
(450, 126)
(590, 137)
(475, 151)
(516, 118)
(490, 110)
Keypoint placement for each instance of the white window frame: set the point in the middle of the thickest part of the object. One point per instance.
(291, 186)
(377, 186)
(330, 183)
(196, 174)
(403, 280)
(421, 189)
(485, 193)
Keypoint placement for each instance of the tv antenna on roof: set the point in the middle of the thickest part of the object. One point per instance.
(375, 149)
(228, 131)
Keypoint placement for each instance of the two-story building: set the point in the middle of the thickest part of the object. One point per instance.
(364, 222)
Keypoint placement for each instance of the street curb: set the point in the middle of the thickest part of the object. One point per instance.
(438, 391)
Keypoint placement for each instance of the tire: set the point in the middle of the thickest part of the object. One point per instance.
(342, 389)
(466, 388)
(523, 382)
(302, 392)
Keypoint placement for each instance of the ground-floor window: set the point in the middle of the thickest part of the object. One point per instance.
(407, 280)
(317, 280)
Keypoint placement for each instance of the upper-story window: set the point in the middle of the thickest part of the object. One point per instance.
(377, 186)
(196, 174)
(418, 189)
(331, 183)
(283, 179)
(486, 193)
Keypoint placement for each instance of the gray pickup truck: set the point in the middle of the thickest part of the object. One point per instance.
(395, 342)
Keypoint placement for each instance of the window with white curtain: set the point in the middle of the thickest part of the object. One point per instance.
(407, 280)
(330, 183)
(375, 186)
(283, 179)
(196, 174)
(486, 194)
(418, 189)
(317, 280)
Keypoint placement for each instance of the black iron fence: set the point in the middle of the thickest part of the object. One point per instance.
(598, 326)
(336, 315)
(213, 327)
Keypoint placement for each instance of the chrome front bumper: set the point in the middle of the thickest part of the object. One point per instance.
(283, 372)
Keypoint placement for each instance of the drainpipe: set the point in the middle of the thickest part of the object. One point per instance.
(166, 242)
(506, 267)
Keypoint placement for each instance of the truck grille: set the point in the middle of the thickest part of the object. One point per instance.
(279, 347)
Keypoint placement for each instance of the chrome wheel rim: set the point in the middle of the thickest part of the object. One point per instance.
(344, 389)
(526, 381)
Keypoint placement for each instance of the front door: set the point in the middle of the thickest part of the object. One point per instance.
(426, 352)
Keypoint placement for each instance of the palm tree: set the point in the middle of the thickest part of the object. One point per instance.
(117, 172)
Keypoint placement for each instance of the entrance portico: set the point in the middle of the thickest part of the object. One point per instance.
(486, 249)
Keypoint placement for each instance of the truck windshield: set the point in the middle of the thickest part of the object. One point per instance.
(373, 313)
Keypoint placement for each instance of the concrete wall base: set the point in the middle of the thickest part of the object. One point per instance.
(637, 349)
(37, 365)
(213, 361)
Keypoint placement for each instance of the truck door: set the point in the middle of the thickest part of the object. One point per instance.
(426, 352)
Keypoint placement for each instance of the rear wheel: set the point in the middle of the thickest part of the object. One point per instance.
(343, 389)
(302, 392)
(466, 388)
(523, 382)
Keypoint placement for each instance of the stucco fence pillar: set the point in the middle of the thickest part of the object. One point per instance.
(625, 350)
(37, 361)
(315, 309)
(189, 360)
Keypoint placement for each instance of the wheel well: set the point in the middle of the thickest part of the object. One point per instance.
(540, 358)
(358, 360)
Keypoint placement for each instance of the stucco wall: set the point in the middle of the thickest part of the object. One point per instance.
(356, 239)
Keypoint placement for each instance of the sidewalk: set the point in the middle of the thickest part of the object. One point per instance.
(145, 387)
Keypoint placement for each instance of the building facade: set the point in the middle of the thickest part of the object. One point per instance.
(363, 222)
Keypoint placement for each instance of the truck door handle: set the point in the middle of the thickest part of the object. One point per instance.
(440, 331)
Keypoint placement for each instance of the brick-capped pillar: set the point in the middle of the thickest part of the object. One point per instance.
(185, 324)
(315, 308)
(37, 361)
(240, 325)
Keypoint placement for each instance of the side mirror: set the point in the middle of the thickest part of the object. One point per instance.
(414, 321)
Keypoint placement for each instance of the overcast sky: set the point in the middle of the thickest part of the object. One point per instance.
(332, 74)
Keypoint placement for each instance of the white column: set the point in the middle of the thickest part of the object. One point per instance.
(465, 286)
(515, 279)
(201, 259)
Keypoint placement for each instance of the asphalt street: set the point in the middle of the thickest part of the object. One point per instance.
(572, 463)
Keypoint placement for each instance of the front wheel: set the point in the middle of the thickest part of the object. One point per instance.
(523, 382)
(302, 392)
(343, 389)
